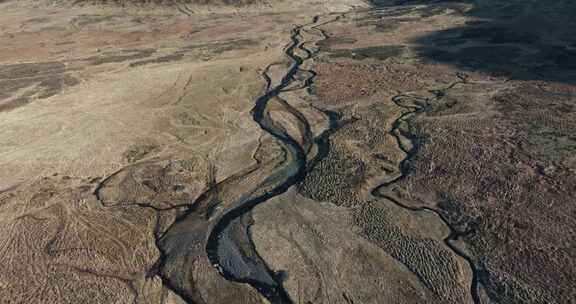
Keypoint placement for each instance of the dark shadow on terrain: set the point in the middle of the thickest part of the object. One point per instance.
(519, 39)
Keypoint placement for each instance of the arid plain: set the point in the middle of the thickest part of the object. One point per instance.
(332, 151)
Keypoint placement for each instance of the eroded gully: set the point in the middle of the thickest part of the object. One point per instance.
(415, 105)
(207, 233)
(228, 245)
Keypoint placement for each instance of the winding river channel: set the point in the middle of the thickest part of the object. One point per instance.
(216, 233)
(228, 246)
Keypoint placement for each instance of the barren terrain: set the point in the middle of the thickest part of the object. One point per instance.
(330, 151)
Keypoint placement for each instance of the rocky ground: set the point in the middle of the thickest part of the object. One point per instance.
(267, 152)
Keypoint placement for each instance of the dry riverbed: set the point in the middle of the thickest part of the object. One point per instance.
(262, 152)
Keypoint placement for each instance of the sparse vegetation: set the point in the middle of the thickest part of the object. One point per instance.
(255, 151)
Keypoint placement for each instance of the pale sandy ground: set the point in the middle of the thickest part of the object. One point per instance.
(88, 91)
(115, 120)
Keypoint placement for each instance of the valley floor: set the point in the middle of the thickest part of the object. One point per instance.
(408, 152)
